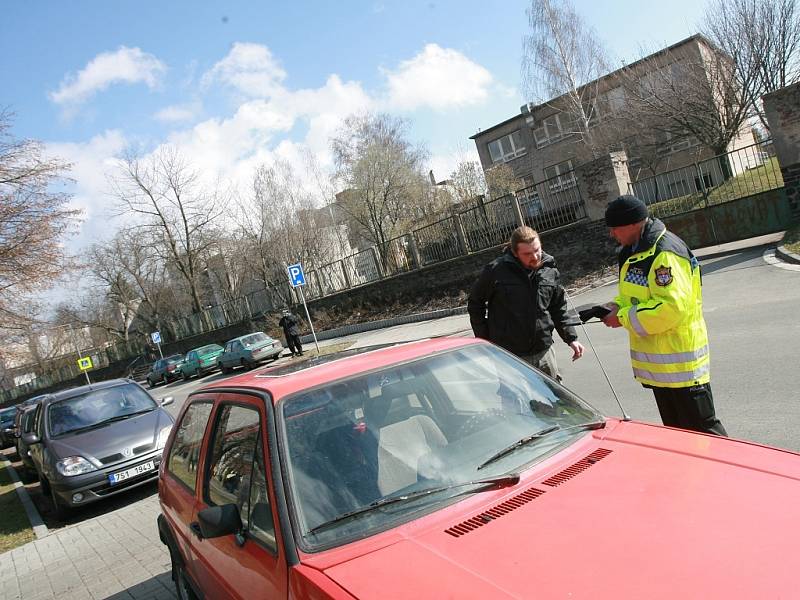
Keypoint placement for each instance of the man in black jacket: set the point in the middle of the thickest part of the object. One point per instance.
(290, 324)
(518, 300)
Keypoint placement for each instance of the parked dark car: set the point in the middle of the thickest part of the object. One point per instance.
(97, 440)
(249, 350)
(7, 426)
(24, 424)
(164, 370)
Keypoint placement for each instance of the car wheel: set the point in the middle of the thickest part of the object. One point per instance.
(150, 384)
(165, 380)
(185, 376)
(59, 512)
(182, 588)
(246, 365)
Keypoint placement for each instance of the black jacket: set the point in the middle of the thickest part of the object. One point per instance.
(523, 306)
(290, 323)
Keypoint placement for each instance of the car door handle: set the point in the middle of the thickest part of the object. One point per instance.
(195, 529)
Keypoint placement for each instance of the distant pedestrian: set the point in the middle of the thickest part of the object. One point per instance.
(518, 300)
(660, 303)
(291, 330)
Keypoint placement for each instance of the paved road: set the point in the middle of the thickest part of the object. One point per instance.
(112, 550)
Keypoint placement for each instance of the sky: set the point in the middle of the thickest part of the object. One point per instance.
(236, 84)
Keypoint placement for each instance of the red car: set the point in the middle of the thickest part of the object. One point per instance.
(450, 469)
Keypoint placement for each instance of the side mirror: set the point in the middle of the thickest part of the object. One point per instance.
(30, 439)
(216, 521)
(167, 401)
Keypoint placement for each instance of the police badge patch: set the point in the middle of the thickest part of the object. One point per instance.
(663, 276)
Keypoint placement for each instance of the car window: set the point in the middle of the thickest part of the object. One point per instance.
(96, 408)
(27, 421)
(427, 423)
(209, 349)
(254, 338)
(185, 451)
(236, 472)
(191, 356)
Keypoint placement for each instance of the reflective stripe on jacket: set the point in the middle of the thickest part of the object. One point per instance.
(661, 305)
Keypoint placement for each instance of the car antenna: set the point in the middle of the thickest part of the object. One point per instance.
(625, 416)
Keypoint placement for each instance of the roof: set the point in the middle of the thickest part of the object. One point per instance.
(693, 38)
(283, 380)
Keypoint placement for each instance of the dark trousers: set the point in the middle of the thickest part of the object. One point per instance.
(689, 408)
(293, 341)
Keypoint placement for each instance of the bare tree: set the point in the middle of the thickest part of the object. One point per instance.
(173, 209)
(470, 183)
(382, 172)
(691, 92)
(561, 64)
(35, 220)
(762, 39)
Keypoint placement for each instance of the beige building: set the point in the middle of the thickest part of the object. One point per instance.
(544, 143)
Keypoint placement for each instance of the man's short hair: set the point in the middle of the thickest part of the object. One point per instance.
(522, 235)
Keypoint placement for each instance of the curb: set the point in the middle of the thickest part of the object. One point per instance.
(787, 256)
(37, 524)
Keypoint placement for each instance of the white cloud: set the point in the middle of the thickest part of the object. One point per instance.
(91, 163)
(126, 65)
(249, 68)
(178, 113)
(439, 78)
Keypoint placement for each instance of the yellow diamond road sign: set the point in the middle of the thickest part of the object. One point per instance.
(85, 363)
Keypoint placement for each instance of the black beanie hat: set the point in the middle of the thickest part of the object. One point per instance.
(625, 210)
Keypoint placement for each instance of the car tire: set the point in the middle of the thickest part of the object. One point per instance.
(185, 376)
(246, 365)
(59, 512)
(165, 380)
(182, 588)
(150, 384)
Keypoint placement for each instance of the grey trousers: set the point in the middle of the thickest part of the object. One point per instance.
(545, 361)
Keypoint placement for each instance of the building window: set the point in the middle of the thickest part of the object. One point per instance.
(670, 143)
(549, 131)
(615, 99)
(559, 176)
(506, 148)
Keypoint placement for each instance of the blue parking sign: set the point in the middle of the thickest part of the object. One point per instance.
(296, 275)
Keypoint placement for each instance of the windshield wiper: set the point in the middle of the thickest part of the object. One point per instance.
(536, 437)
(489, 482)
(106, 422)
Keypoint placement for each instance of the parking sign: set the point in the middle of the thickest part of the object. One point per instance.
(296, 275)
(85, 363)
(156, 337)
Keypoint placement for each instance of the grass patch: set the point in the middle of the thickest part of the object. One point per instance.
(748, 183)
(791, 239)
(15, 529)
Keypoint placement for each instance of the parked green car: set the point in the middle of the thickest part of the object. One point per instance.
(249, 350)
(200, 361)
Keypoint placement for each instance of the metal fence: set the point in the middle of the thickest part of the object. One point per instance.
(742, 172)
(546, 205)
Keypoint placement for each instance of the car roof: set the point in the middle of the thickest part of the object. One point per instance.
(83, 389)
(204, 346)
(283, 380)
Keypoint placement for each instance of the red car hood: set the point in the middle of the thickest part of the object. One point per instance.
(638, 512)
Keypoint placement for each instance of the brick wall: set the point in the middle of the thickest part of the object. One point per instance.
(783, 114)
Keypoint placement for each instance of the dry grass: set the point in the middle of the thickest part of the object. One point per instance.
(791, 239)
(15, 529)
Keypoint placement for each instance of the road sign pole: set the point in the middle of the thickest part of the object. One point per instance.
(313, 333)
(159, 350)
(78, 352)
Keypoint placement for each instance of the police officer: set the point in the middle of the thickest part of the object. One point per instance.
(660, 303)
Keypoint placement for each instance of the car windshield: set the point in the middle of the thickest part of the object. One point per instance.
(96, 408)
(443, 420)
(208, 349)
(253, 339)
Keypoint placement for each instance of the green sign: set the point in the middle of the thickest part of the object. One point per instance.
(85, 363)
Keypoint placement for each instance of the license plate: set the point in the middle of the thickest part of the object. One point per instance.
(132, 472)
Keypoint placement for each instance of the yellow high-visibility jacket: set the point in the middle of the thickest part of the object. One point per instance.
(661, 305)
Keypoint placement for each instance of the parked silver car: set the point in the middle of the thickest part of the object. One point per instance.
(248, 350)
(96, 441)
